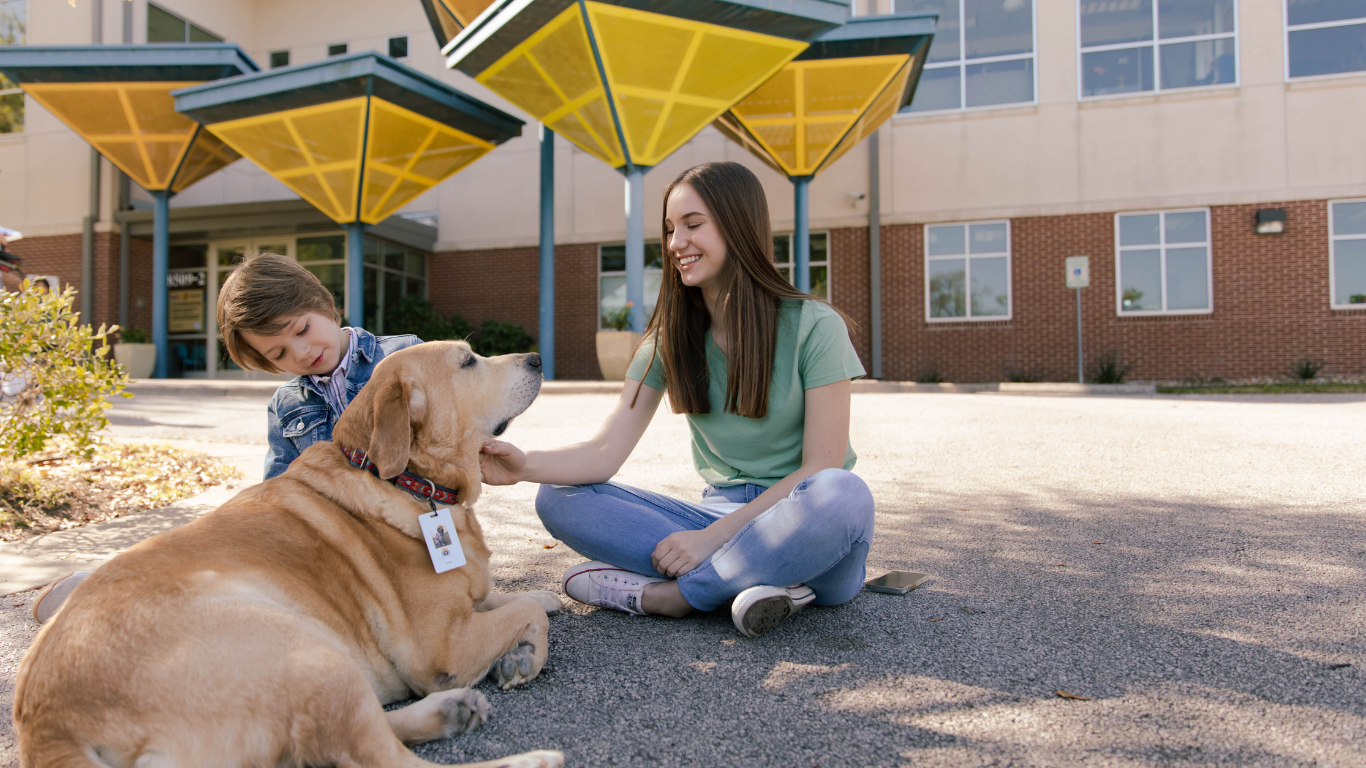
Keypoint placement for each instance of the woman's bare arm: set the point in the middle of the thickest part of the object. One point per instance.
(593, 461)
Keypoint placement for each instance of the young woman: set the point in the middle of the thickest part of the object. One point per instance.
(763, 372)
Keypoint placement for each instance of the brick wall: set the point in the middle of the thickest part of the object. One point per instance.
(503, 284)
(1271, 306)
(60, 255)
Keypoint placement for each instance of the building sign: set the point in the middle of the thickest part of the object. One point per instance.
(1078, 272)
(185, 311)
(185, 279)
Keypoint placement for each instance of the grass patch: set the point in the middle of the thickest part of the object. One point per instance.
(1288, 388)
(60, 490)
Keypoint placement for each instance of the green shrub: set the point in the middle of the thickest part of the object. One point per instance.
(57, 381)
(417, 316)
(132, 335)
(498, 338)
(1107, 369)
(1022, 375)
(929, 374)
(1305, 369)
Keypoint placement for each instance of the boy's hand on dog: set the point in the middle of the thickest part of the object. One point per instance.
(683, 551)
(501, 463)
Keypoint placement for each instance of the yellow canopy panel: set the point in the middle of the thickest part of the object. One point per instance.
(135, 126)
(801, 115)
(886, 105)
(317, 152)
(667, 77)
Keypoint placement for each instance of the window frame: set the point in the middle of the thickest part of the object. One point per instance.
(270, 58)
(1156, 44)
(407, 45)
(967, 257)
(791, 275)
(346, 48)
(1285, 45)
(618, 273)
(1333, 257)
(16, 90)
(1162, 248)
(188, 24)
(963, 62)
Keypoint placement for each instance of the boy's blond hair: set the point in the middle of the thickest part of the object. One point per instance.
(261, 296)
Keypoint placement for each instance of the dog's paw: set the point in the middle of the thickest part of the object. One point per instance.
(541, 758)
(548, 600)
(462, 710)
(515, 667)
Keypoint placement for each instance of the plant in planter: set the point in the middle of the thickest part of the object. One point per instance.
(616, 345)
(135, 353)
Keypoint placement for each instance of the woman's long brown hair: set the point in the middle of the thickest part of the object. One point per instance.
(751, 291)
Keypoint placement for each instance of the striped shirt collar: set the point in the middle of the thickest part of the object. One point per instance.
(333, 386)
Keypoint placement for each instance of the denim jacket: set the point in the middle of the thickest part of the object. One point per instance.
(299, 416)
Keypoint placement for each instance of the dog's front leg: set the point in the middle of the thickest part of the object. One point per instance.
(508, 642)
(548, 600)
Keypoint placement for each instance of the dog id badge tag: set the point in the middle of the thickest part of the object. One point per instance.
(442, 542)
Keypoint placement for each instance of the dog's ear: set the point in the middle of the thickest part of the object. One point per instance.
(379, 421)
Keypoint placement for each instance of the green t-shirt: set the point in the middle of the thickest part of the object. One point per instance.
(728, 449)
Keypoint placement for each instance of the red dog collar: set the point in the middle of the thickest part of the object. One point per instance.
(420, 487)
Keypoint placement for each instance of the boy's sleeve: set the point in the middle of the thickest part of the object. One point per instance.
(280, 451)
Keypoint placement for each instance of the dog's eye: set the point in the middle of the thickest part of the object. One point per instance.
(469, 361)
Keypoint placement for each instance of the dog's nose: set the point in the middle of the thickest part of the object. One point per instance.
(533, 361)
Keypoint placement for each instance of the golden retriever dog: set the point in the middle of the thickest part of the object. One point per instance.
(272, 631)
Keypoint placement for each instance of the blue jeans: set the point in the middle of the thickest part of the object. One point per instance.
(817, 536)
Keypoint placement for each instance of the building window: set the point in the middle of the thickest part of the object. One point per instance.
(13, 31)
(1196, 44)
(1347, 227)
(967, 271)
(398, 47)
(279, 59)
(820, 261)
(982, 54)
(391, 273)
(1324, 37)
(612, 279)
(166, 27)
(1164, 263)
(336, 50)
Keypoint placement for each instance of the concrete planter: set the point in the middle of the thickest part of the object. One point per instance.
(139, 360)
(614, 353)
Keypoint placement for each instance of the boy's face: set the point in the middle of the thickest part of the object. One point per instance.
(309, 345)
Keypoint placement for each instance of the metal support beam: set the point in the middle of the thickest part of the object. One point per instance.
(355, 274)
(801, 235)
(635, 245)
(161, 257)
(875, 251)
(88, 243)
(547, 282)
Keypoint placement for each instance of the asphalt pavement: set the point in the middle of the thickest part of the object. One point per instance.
(1194, 568)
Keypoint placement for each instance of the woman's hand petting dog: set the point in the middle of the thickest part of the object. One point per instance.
(501, 463)
(683, 551)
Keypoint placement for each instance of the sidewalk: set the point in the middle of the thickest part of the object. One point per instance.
(36, 561)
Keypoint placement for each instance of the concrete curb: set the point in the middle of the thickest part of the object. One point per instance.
(1066, 388)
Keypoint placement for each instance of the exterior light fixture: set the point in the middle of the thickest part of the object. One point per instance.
(630, 81)
(118, 98)
(1271, 221)
(829, 98)
(358, 136)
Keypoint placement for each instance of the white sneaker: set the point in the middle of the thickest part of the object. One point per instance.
(759, 609)
(607, 586)
(50, 598)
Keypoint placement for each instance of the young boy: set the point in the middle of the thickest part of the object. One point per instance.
(275, 316)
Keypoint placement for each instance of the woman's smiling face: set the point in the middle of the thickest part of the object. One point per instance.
(694, 241)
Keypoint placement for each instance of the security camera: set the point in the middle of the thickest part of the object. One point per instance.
(855, 197)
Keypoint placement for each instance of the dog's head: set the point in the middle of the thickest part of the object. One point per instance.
(429, 408)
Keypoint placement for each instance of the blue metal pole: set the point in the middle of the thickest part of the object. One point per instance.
(355, 274)
(801, 236)
(635, 245)
(547, 317)
(161, 259)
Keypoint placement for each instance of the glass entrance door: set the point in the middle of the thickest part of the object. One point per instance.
(225, 257)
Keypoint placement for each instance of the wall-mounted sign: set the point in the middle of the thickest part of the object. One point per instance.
(185, 311)
(186, 279)
(1078, 272)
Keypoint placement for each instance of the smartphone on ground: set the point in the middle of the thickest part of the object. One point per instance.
(897, 582)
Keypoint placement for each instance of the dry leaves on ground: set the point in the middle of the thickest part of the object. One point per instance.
(60, 490)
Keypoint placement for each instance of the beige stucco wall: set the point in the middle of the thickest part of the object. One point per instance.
(1263, 140)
